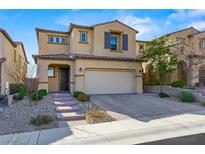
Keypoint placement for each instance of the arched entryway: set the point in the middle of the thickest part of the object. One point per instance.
(182, 71)
(202, 75)
(58, 77)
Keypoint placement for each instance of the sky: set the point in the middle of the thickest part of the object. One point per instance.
(21, 24)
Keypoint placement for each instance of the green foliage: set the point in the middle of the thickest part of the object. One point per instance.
(21, 94)
(186, 96)
(178, 83)
(160, 57)
(22, 91)
(77, 93)
(36, 96)
(41, 120)
(163, 95)
(157, 82)
(17, 97)
(43, 92)
(83, 97)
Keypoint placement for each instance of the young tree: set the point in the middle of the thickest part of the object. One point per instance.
(160, 57)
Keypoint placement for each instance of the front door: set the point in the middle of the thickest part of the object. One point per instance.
(64, 79)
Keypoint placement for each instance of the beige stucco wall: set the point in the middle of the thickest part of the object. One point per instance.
(53, 82)
(138, 52)
(77, 77)
(76, 46)
(52, 48)
(98, 36)
(100, 64)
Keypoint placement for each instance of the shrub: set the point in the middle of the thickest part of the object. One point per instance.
(163, 95)
(186, 96)
(97, 115)
(22, 91)
(77, 93)
(41, 120)
(157, 82)
(178, 83)
(18, 97)
(83, 97)
(43, 92)
(36, 96)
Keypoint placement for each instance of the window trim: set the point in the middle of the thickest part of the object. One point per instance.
(51, 68)
(86, 37)
(60, 39)
(141, 50)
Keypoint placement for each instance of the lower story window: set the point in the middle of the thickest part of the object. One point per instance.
(51, 72)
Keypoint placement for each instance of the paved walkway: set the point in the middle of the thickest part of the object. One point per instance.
(67, 109)
(117, 132)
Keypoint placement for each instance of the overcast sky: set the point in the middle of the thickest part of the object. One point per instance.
(21, 24)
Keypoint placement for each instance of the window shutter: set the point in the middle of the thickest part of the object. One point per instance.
(124, 42)
(107, 40)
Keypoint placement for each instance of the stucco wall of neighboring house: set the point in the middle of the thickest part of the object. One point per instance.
(7, 51)
(98, 36)
(196, 41)
(76, 46)
(52, 48)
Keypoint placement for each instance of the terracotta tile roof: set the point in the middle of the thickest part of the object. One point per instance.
(7, 36)
(85, 56)
(21, 43)
(141, 41)
(2, 60)
(78, 26)
(52, 31)
(113, 22)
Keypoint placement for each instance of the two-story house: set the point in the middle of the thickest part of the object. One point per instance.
(12, 57)
(189, 45)
(97, 59)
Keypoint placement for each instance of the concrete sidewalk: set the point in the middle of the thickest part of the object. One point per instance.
(118, 132)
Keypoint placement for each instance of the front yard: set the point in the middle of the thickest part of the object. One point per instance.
(16, 118)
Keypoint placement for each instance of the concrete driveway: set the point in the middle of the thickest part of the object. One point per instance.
(143, 107)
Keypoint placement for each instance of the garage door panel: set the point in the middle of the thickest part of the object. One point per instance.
(109, 82)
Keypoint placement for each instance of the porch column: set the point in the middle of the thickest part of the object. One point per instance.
(42, 73)
(138, 82)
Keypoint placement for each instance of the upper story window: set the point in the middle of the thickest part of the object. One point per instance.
(56, 39)
(141, 47)
(83, 37)
(180, 39)
(113, 42)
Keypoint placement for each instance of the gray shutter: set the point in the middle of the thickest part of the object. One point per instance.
(124, 42)
(107, 40)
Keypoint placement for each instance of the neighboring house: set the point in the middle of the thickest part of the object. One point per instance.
(97, 59)
(189, 45)
(13, 61)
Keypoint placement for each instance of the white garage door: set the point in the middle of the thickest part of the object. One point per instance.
(109, 82)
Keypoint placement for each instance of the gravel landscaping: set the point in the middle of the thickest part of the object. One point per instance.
(16, 118)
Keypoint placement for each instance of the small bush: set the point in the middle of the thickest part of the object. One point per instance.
(186, 96)
(178, 84)
(157, 83)
(163, 95)
(36, 96)
(41, 120)
(43, 92)
(77, 93)
(18, 97)
(97, 115)
(22, 91)
(83, 97)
